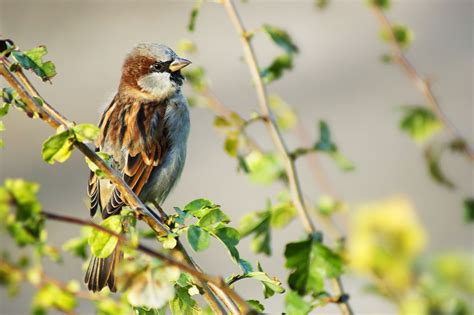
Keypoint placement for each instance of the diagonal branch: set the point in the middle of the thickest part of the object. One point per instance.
(423, 85)
(277, 138)
(167, 260)
(46, 112)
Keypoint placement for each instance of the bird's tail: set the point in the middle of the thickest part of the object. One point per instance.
(101, 272)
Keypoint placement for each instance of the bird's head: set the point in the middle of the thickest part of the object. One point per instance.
(154, 70)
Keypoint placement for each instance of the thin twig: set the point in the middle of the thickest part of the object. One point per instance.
(279, 142)
(423, 85)
(167, 260)
(54, 119)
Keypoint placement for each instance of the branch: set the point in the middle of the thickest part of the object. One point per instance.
(279, 142)
(47, 113)
(167, 260)
(420, 83)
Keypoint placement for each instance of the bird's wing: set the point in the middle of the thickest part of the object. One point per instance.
(135, 132)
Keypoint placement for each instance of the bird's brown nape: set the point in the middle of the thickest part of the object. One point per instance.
(135, 67)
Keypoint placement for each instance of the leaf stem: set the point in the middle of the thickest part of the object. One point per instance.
(423, 85)
(47, 113)
(277, 138)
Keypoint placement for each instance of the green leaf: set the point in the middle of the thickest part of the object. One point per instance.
(32, 60)
(231, 144)
(258, 223)
(281, 38)
(186, 46)
(325, 143)
(199, 207)
(196, 77)
(420, 123)
(103, 244)
(381, 4)
(469, 210)
(78, 246)
(26, 227)
(183, 303)
(52, 296)
(282, 214)
(198, 238)
(433, 154)
(104, 156)
(403, 35)
(58, 148)
(321, 4)
(342, 162)
(212, 218)
(270, 285)
(264, 168)
(327, 205)
(311, 262)
(256, 305)
(295, 304)
(275, 70)
(285, 115)
(86, 132)
(194, 14)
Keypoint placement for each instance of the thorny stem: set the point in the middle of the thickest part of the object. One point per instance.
(167, 260)
(279, 142)
(423, 85)
(47, 113)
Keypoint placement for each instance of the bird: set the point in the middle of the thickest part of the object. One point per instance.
(144, 130)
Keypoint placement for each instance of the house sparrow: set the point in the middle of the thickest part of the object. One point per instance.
(145, 130)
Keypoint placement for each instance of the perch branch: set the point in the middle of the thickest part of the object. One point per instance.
(46, 112)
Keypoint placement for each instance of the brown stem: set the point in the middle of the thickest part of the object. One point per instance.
(278, 141)
(47, 113)
(421, 84)
(167, 260)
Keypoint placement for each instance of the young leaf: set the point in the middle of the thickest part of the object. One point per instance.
(295, 304)
(86, 132)
(382, 4)
(403, 35)
(213, 217)
(420, 123)
(103, 244)
(433, 156)
(469, 210)
(275, 70)
(281, 38)
(183, 303)
(78, 246)
(256, 305)
(285, 115)
(32, 60)
(258, 223)
(264, 168)
(199, 207)
(270, 286)
(198, 238)
(58, 148)
(311, 262)
(194, 15)
(52, 296)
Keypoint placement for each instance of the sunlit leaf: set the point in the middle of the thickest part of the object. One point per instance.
(258, 224)
(33, 60)
(78, 246)
(183, 303)
(275, 70)
(58, 148)
(86, 132)
(256, 305)
(264, 168)
(285, 115)
(198, 238)
(420, 123)
(186, 46)
(382, 4)
(433, 154)
(311, 262)
(51, 296)
(403, 35)
(103, 244)
(271, 285)
(281, 38)
(295, 304)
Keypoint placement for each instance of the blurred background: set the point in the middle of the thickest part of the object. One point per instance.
(337, 76)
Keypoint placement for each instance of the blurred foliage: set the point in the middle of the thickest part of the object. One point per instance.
(402, 34)
(420, 123)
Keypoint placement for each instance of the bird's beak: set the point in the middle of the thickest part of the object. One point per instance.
(178, 64)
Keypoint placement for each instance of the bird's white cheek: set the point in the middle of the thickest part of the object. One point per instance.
(158, 84)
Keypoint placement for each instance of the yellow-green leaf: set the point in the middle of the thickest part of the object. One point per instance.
(103, 244)
(58, 148)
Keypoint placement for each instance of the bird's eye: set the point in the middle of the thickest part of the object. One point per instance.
(158, 67)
